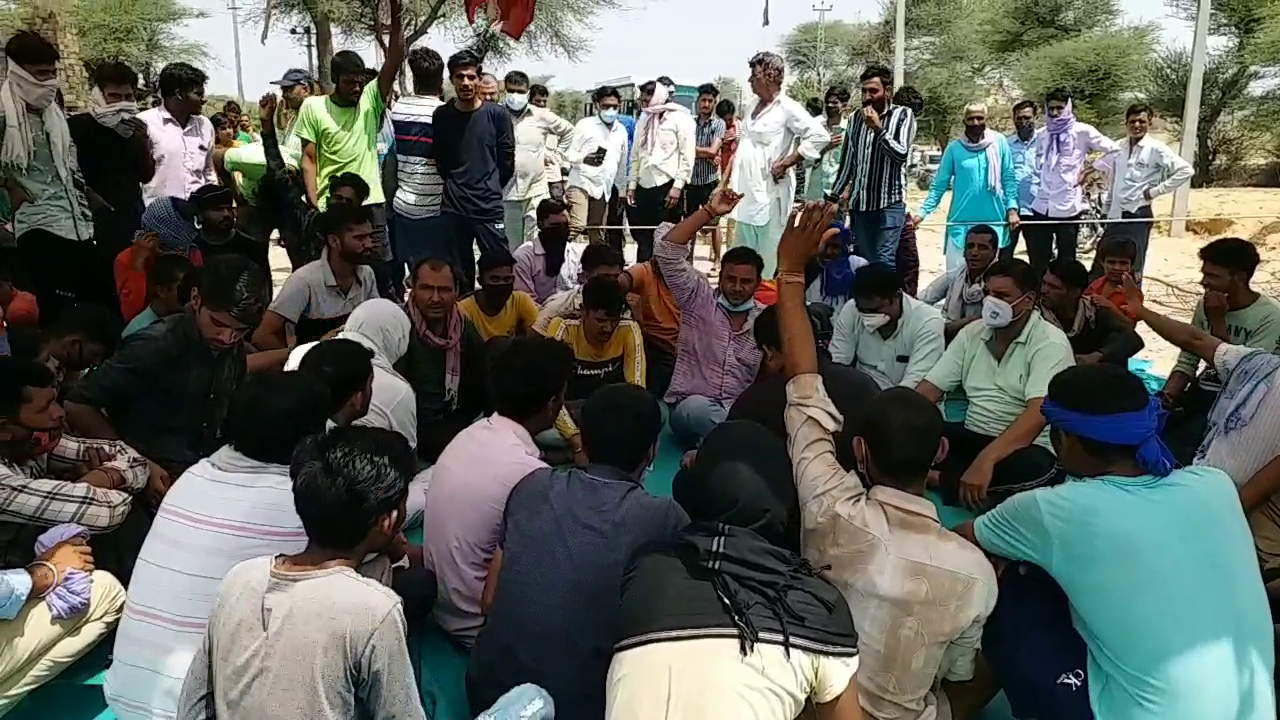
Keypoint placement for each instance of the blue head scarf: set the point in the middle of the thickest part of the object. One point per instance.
(1139, 428)
(837, 275)
(170, 220)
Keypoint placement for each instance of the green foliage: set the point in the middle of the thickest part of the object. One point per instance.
(730, 89)
(145, 34)
(819, 56)
(1017, 26)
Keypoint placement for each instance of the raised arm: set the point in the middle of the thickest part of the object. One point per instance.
(1188, 338)
(685, 282)
(395, 51)
(896, 141)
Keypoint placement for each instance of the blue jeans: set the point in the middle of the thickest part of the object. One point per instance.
(876, 233)
(415, 239)
(693, 418)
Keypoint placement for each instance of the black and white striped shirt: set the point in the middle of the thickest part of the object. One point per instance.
(705, 170)
(419, 188)
(874, 162)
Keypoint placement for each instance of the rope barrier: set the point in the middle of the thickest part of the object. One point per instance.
(1051, 221)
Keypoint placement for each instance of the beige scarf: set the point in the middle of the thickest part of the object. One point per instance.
(20, 93)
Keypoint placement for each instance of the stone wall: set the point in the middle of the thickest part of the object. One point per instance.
(54, 20)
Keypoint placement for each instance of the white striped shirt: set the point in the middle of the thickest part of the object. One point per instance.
(874, 162)
(419, 187)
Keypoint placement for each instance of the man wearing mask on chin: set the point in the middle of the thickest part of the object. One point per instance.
(40, 173)
(1004, 364)
(597, 165)
(717, 357)
(534, 126)
(50, 478)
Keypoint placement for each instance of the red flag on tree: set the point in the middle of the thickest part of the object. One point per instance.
(509, 17)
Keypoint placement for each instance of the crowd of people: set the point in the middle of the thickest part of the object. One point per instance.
(222, 471)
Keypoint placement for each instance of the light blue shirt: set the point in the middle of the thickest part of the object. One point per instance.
(1025, 170)
(140, 321)
(1164, 587)
(15, 587)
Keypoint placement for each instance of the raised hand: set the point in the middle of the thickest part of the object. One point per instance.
(806, 230)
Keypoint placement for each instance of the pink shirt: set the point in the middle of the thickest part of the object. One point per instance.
(183, 155)
(463, 519)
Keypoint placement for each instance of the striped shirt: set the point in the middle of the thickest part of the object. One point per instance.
(419, 188)
(706, 132)
(873, 164)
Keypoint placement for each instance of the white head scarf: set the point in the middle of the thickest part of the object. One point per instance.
(112, 115)
(383, 327)
(20, 92)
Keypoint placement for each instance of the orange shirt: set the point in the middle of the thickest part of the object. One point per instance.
(767, 293)
(21, 310)
(1116, 296)
(131, 284)
(656, 310)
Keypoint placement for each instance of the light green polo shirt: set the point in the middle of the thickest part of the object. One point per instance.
(998, 392)
(1256, 326)
(904, 357)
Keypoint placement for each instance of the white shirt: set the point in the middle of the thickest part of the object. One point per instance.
(589, 135)
(534, 129)
(763, 139)
(1059, 196)
(393, 405)
(1150, 166)
(183, 155)
(903, 358)
(671, 157)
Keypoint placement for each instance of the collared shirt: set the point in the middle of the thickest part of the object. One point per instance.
(33, 498)
(312, 299)
(462, 524)
(183, 154)
(670, 159)
(712, 359)
(950, 286)
(1164, 590)
(919, 593)
(904, 357)
(823, 171)
(1256, 325)
(1025, 169)
(566, 538)
(57, 205)
(419, 188)
(999, 390)
(873, 163)
(706, 132)
(534, 129)
(166, 391)
(589, 135)
(766, 136)
(531, 270)
(1149, 166)
(1059, 194)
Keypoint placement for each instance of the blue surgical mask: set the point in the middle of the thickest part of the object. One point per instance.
(742, 307)
(608, 116)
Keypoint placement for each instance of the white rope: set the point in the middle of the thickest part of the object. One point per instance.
(1050, 221)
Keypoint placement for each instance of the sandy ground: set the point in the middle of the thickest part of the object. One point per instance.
(1173, 268)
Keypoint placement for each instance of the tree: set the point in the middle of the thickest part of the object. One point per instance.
(819, 55)
(730, 89)
(145, 34)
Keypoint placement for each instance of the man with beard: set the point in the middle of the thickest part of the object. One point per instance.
(166, 391)
(321, 294)
(216, 220)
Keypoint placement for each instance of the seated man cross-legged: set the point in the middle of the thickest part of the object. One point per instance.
(885, 332)
(960, 289)
(497, 309)
(1004, 364)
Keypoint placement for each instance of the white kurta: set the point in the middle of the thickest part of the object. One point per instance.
(765, 138)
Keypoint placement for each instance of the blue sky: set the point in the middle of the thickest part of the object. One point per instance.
(626, 38)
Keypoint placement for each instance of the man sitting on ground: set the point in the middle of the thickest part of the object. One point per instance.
(1133, 534)
(476, 472)
(659, 317)
(83, 337)
(551, 616)
(1004, 365)
(446, 361)
(1096, 334)
(335, 645)
(1116, 257)
(596, 260)
(717, 357)
(1232, 312)
(168, 289)
(318, 297)
(345, 367)
(497, 309)
(961, 289)
(885, 332)
(874, 527)
(219, 235)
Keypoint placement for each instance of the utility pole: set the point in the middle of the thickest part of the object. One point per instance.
(305, 32)
(900, 44)
(822, 8)
(235, 41)
(1191, 115)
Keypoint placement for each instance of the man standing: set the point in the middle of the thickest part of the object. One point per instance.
(418, 226)
(661, 164)
(489, 87)
(1061, 151)
(339, 133)
(534, 127)
(708, 135)
(822, 173)
(1146, 171)
(597, 165)
(1022, 148)
(295, 87)
(475, 152)
(540, 97)
(873, 168)
(38, 167)
(181, 138)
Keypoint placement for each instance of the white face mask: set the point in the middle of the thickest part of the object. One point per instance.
(608, 116)
(517, 101)
(997, 313)
(874, 321)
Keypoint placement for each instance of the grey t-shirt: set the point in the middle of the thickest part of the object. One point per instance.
(325, 644)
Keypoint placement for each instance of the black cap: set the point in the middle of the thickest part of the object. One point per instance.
(294, 76)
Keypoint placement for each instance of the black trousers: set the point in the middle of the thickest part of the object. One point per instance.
(464, 234)
(1044, 240)
(613, 217)
(660, 363)
(64, 273)
(650, 211)
(1006, 252)
(1027, 468)
(1188, 421)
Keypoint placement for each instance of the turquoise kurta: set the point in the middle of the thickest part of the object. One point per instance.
(972, 201)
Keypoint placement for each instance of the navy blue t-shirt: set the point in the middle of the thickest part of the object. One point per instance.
(567, 538)
(475, 153)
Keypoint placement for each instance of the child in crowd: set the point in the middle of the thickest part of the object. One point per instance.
(1116, 256)
(168, 287)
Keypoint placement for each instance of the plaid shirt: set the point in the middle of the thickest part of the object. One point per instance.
(32, 501)
(706, 133)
